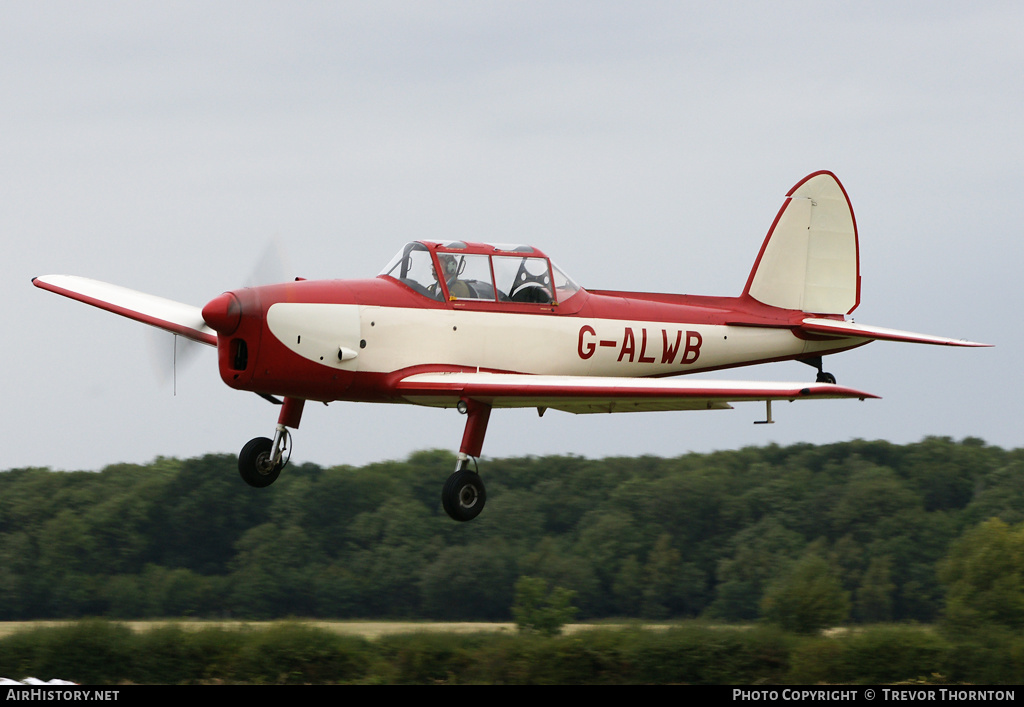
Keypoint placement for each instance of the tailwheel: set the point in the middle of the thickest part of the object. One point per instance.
(259, 464)
(823, 375)
(463, 496)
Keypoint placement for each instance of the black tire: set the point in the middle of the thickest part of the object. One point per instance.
(463, 496)
(825, 377)
(254, 463)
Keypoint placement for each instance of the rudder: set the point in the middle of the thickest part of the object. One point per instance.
(810, 259)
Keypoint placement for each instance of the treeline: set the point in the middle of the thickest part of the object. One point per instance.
(733, 536)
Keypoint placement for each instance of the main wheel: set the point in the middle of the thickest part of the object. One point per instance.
(825, 377)
(255, 463)
(463, 496)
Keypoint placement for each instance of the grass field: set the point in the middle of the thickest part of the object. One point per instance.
(366, 629)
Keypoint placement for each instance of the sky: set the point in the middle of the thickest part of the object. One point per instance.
(168, 147)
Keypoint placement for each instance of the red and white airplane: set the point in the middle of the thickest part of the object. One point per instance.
(503, 327)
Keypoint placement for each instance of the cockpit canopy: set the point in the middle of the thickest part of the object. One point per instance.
(482, 272)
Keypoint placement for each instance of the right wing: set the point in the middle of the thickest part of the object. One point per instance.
(175, 317)
(583, 394)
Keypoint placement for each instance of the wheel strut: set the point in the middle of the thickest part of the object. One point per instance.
(261, 460)
(477, 415)
(823, 376)
(463, 495)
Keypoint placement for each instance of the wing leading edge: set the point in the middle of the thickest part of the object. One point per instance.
(580, 394)
(175, 317)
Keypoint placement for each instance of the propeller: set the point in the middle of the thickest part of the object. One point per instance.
(165, 362)
(170, 351)
(271, 267)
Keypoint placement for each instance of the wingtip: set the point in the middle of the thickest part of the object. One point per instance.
(844, 391)
(967, 343)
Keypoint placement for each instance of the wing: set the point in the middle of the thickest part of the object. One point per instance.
(582, 394)
(183, 319)
(852, 329)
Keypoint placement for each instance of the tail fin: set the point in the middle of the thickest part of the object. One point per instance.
(810, 261)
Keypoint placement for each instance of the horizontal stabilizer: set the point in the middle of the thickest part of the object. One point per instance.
(851, 329)
(582, 394)
(175, 317)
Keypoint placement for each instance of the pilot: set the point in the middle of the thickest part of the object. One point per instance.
(450, 268)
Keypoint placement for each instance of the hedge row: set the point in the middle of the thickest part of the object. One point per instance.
(99, 652)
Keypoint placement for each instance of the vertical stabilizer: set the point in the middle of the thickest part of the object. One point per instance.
(809, 261)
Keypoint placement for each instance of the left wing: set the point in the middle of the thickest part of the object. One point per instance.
(582, 394)
(175, 317)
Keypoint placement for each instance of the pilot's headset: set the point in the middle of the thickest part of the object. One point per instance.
(450, 265)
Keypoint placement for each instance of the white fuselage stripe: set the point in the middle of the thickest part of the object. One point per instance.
(388, 339)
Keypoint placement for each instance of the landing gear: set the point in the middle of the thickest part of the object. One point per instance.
(261, 460)
(463, 495)
(823, 376)
(258, 463)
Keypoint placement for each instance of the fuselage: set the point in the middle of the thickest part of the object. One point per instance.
(353, 339)
(480, 326)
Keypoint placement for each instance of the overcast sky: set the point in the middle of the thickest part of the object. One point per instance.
(642, 145)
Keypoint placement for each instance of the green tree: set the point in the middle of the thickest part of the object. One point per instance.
(469, 582)
(760, 549)
(606, 539)
(272, 573)
(628, 588)
(201, 513)
(671, 586)
(984, 576)
(540, 610)
(662, 577)
(807, 598)
(874, 596)
(552, 560)
(1000, 494)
